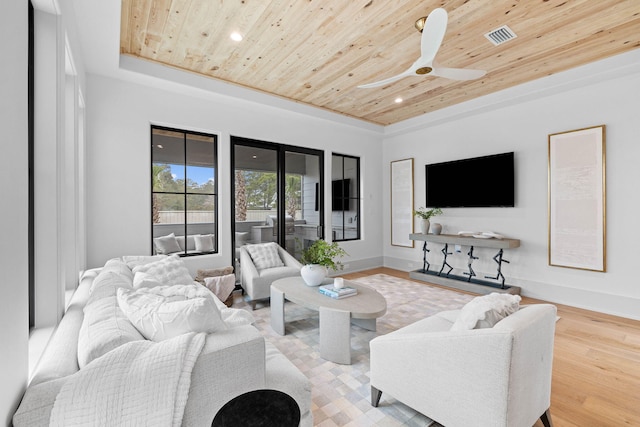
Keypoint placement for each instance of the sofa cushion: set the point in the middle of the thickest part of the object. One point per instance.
(170, 271)
(486, 311)
(234, 317)
(265, 255)
(166, 244)
(204, 243)
(103, 329)
(106, 284)
(133, 261)
(271, 274)
(429, 324)
(145, 280)
(116, 265)
(164, 312)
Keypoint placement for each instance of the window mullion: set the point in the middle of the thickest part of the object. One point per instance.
(186, 231)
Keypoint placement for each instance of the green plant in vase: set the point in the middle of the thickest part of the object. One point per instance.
(319, 257)
(425, 215)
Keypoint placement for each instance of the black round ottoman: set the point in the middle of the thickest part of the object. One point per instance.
(259, 408)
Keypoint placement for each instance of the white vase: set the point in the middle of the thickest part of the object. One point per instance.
(313, 274)
(424, 226)
(436, 228)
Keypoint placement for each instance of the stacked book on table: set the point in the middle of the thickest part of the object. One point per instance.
(337, 293)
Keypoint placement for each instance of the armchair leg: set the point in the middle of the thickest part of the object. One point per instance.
(375, 396)
(546, 419)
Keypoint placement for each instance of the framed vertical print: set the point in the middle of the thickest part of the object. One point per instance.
(401, 202)
(577, 199)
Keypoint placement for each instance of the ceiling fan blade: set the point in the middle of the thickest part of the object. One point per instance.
(387, 81)
(432, 35)
(458, 73)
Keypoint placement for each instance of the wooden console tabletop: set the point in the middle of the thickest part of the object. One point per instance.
(466, 240)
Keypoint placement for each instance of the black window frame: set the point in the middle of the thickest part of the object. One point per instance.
(349, 200)
(186, 193)
(31, 157)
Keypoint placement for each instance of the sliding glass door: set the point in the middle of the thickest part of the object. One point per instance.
(277, 195)
(302, 197)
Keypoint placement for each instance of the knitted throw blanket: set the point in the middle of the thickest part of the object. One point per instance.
(141, 383)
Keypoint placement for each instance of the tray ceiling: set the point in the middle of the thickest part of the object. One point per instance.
(317, 51)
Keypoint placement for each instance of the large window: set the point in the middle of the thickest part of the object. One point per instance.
(345, 197)
(184, 201)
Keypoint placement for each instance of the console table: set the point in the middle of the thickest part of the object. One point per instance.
(469, 281)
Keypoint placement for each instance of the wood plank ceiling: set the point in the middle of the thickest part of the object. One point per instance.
(317, 51)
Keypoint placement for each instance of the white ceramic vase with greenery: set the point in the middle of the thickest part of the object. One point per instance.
(425, 215)
(318, 258)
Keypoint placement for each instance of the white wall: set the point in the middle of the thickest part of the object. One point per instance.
(119, 116)
(57, 171)
(520, 120)
(14, 305)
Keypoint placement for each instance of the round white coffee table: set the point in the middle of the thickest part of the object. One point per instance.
(336, 315)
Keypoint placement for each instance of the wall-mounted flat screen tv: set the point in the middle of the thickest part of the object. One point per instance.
(340, 195)
(486, 181)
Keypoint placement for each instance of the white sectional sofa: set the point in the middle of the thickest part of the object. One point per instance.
(232, 362)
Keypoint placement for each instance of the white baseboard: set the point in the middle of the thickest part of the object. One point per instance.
(353, 266)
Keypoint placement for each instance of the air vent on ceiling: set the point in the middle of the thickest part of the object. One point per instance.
(500, 35)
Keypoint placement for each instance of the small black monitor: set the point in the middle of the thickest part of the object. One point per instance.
(340, 195)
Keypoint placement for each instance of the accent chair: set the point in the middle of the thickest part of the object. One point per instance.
(261, 264)
(495, 376)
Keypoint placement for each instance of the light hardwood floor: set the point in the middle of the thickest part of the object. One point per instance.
(596, 366)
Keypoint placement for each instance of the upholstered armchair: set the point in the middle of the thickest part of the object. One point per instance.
(261, 264)
(496, 376)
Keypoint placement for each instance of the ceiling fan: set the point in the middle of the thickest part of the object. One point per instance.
(433, 28)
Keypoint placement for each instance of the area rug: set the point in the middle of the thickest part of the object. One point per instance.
(341, 393)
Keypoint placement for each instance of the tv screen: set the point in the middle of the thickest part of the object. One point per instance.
(340, 195)
(477, 182)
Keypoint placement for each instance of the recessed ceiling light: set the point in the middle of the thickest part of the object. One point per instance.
(160, 146)
(398, 100)
(236, 36)
(254, 156)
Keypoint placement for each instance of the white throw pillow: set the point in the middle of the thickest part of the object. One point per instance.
(265, 255)
(221, 286)
(133, 261)
(204, 243)
(169, 271)
(104, 328)
(486, 311)
(164, 312)
(145, 280)
(166, 244)
(241, 238)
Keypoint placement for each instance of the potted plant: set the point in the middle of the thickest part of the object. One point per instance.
(424, 215)
(319, 257)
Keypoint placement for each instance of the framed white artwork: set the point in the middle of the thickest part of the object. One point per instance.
(577, 199)
(402, 202)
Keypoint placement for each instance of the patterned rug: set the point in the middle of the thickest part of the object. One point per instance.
(341, 393)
